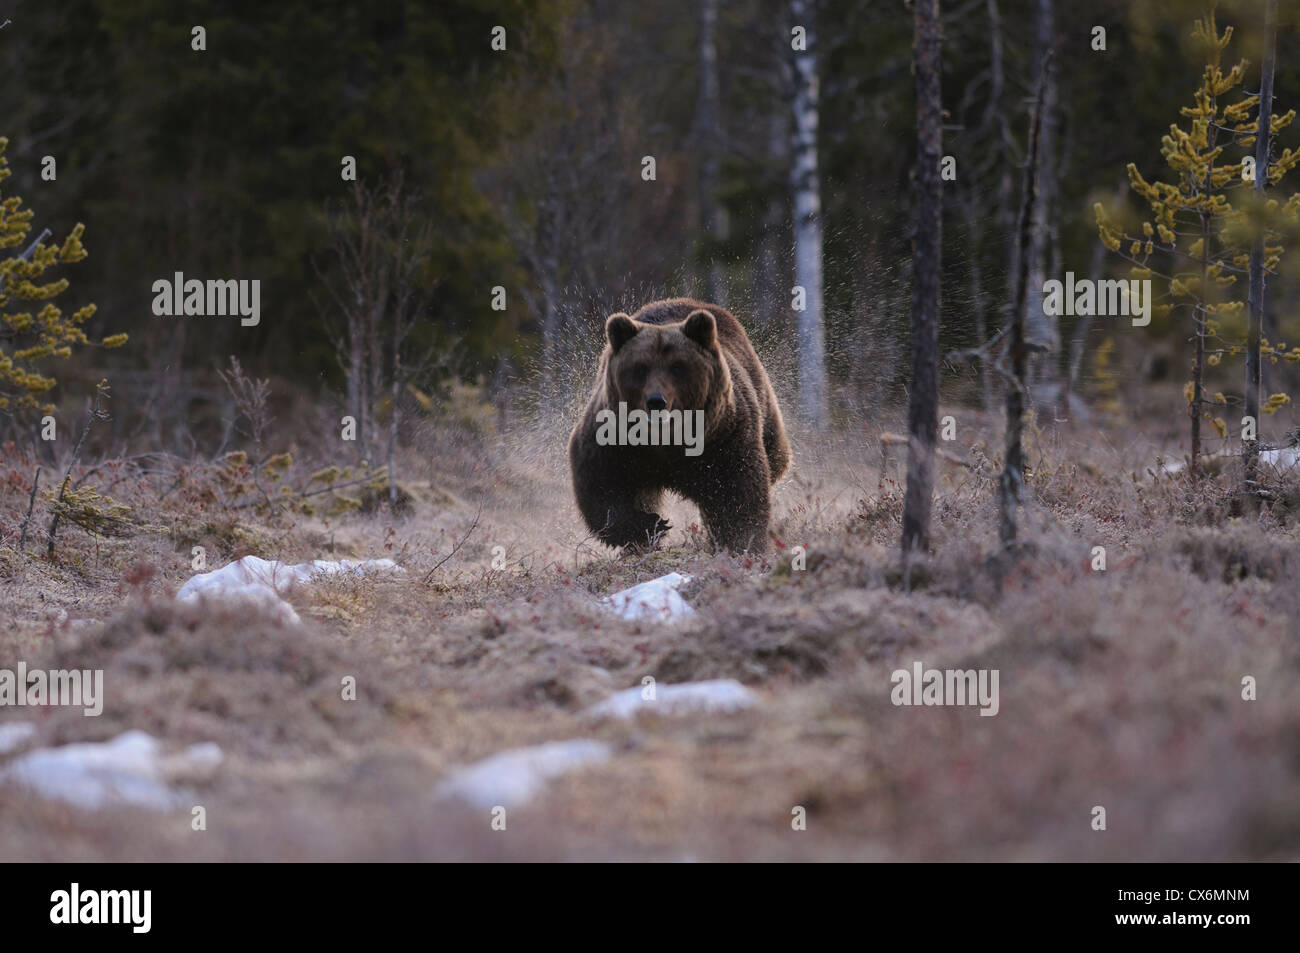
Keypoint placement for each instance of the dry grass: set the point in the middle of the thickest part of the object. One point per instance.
(1120, 689)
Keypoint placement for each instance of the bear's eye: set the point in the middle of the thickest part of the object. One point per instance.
(679, 369)
(638, 370)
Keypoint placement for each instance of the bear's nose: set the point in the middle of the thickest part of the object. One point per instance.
(656, 401)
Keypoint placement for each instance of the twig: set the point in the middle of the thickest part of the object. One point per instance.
(981, 351)
(122, 460)
(456, 548)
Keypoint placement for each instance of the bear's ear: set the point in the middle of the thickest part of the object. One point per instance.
(701, 328)
(620, 329)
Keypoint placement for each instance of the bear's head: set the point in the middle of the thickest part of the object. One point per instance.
(676, 366)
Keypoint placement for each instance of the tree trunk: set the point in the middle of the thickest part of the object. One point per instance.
(974, 236)
(1013, 469)
(1257, 279)
(1198, 361)
(706, 126)
(1201, 315)
(997, 116)
(923, 402)
(1041, 327)
(549, 288)
(356, 376)
(808, 228)
(396, 393)
(374, 368)
(1080, 339)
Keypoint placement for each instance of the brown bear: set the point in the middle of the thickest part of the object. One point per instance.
(680, 355)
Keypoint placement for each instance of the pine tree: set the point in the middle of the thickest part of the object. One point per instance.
(1197, 229)
(26, 340)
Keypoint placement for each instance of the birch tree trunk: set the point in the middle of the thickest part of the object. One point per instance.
(808, 226)
(1257, 278)
(923, 401)
(1041, 327)
(1013, 467)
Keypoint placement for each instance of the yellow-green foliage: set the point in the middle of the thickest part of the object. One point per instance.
(1107, 381)
(26, 339)
(96, 514)
(463, 405)
(238, 477)
(1200, 199)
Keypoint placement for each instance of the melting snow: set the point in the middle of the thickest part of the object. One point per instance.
(716, 695)
(1284, 459)
(262, 582)
(653, 601)
(130, 769)
(513, 777)
(14, 734)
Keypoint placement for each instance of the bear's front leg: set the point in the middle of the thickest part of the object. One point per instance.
(735, 506)
(616, 506)
(639, 531)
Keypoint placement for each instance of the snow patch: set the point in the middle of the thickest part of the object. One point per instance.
(14, 734)
(1284, 459)
(514, 777)
(653, 601)
(131, 769)
(715, 695)
(261, 583)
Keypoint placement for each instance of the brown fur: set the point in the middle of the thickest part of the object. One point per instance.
(699, 358)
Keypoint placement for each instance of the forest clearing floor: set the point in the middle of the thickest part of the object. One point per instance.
(1120, 689)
